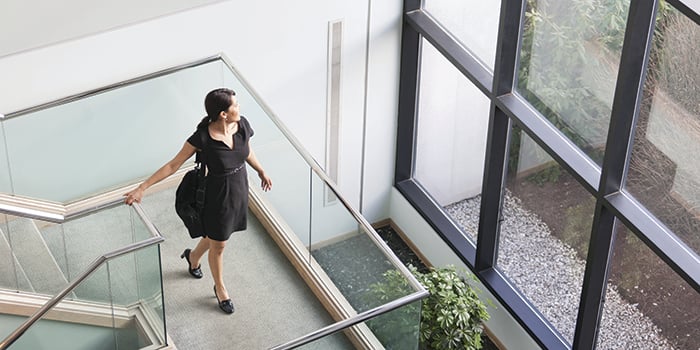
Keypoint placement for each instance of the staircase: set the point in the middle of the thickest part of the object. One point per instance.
(40, 259)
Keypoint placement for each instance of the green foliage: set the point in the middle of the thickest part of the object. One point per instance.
(451, 317)
(560, 45)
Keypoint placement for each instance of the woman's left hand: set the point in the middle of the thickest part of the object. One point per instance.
(265, 181)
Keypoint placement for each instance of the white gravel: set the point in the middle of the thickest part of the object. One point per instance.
(550, 274)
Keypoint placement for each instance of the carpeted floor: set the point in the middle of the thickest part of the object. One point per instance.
(273, 304)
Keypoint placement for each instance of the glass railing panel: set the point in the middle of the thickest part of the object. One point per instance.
(9, 322)
(135, 283)
(289, 171)
(66, 327)
(150, 283)
(8, 266)
(398, 329)
(5, 186)
(347, 254)
(394, 330)
(90, 236)
(35, 265)
(89, 144)
(119, 305)
(335, 341)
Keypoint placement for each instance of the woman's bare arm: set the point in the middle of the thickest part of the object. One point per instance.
(166, 170)
(265, 181)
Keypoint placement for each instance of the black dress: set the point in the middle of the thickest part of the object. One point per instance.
(226, 196)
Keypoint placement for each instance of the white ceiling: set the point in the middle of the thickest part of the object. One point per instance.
(26, 24)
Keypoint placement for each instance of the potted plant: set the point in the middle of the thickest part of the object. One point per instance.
(451, 317)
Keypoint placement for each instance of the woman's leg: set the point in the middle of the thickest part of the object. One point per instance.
(198, 252)
(216, 264)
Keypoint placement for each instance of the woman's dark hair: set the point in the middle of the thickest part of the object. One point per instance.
(216, 101)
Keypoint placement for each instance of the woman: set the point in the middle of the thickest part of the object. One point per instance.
(223, 137)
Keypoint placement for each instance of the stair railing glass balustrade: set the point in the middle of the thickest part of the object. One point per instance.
(101, 289)
(374, 298)
(337, 251)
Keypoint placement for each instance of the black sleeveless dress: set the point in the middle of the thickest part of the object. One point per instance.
(226, 196)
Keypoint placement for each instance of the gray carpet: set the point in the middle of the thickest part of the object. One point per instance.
(273, 304)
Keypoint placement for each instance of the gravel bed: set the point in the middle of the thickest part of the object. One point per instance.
(550, 275)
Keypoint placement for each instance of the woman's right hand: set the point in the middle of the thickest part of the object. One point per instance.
(134, 195)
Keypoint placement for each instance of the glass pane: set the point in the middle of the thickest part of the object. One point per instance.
(647, 305)
(395, 330)
(149, 281)
(473, 23)
(90, 236)
(8, 265)
(452, 127)
(8, 324)
(545, 231)
(288, 169)
(664, 172)
(135, 285)
(84, 162)
(568, 65)
(350, 257)
(398, 329)
(5, 185)
(67, 327)
(335, 341)
(36, 266)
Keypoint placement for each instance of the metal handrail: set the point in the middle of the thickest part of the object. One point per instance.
(155, 238)
(359, 318)
(109, 87)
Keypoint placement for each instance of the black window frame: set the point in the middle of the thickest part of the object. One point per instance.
(604, 182)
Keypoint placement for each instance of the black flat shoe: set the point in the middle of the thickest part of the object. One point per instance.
(225, 305)
(197, 271)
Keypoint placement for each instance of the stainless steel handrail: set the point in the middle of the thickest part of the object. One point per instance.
(155, 238)
(361, 317)
(58, 213)
(105, 88)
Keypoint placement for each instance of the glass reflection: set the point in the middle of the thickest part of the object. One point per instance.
(545, 231)
(451, 138)
(647, 305)
(474, 23)
(664, 172)
(568, 65)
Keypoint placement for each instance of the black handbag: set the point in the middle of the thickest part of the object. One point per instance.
(189, 198)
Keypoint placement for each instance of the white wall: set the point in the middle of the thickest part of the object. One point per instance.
(26, 25)
(280, 48)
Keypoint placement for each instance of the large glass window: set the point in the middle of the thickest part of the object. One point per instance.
(568, 65)
(567, 56)
(545, 231)
(664, 172)
(473, 23)
(647, 305)
(451, 136)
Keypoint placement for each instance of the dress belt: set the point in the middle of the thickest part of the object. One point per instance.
(230, 172)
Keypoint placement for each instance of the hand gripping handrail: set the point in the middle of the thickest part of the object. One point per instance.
(155, 238)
